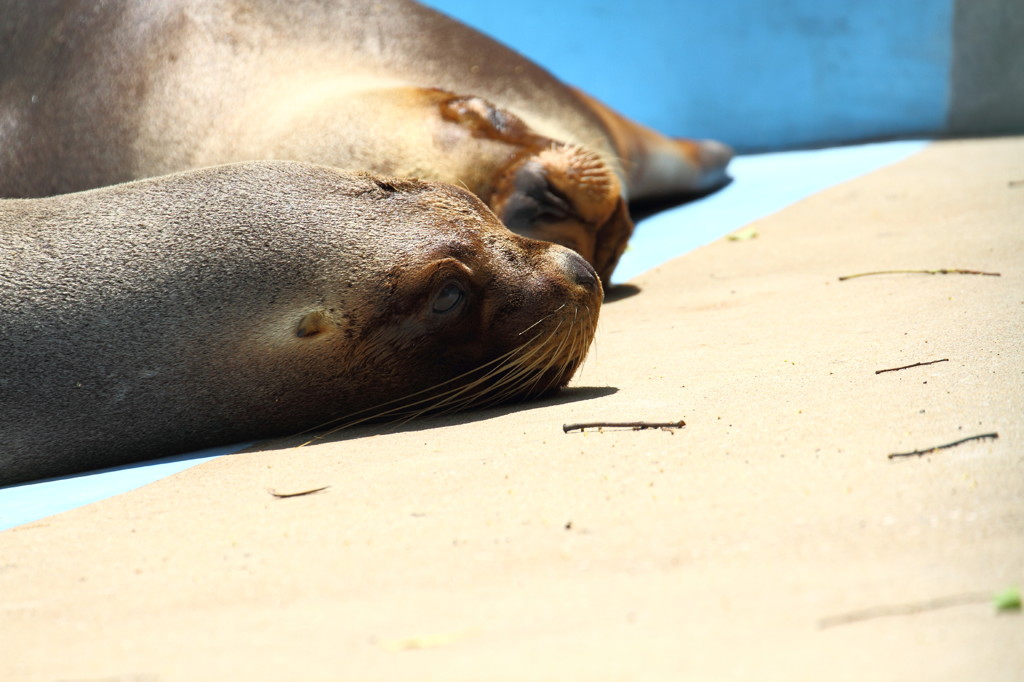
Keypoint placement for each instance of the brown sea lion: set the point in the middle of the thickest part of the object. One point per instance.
(95, 93)
(265, 298)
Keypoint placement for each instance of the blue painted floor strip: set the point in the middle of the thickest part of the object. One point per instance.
(763, 184)
(32, 501)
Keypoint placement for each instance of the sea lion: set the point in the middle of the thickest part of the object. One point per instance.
(265, 298)
(95, 93)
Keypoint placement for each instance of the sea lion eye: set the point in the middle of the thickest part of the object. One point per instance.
(448, 298)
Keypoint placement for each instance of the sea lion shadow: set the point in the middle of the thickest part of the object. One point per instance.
(428, 422)
(639, 209)
(134, 474)
(96, 484)
(645, 208)
(620, 292)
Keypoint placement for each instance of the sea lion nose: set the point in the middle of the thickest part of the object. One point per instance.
(580, 271)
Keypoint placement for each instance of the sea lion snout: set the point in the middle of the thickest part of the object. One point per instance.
(579, 270)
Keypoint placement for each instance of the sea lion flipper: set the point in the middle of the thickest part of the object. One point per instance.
(658, 166)
(709, 160)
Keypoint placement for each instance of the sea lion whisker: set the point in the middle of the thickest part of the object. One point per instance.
(429, 389)
(585, 338)
(451, 400)
(508, 374)
(560, 355)
(507, 385)
(537, 375)
(376, 413)
(512, 362)
(527, 376)
(483, 399)
(516, 371)
(460, 397)
(554, 357)
(578, 355)
(546, 317)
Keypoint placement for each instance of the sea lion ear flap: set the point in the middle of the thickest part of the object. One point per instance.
(313, 323)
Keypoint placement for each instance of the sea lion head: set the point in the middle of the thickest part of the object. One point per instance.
(546, 189)
(264, 299)
(466, 314)
(567, 195)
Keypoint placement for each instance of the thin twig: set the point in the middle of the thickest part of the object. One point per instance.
(918, 453)
(905, 609)
(916, 364)
(636, 426)
(299, 494)
(921, 272)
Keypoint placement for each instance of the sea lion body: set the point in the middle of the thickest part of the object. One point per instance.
(95, 93)
(266, 298)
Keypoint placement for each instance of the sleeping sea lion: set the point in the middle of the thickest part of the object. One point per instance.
(96, 93)
(266, 298)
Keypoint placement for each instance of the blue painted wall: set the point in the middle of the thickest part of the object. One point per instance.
(759, 74)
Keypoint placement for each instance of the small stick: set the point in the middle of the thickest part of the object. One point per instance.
(918, 453)
(904, 609)
(636, 426)
(921, 272)
(916, 364)
(299, 494)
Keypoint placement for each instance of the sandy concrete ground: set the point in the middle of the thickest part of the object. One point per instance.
(492, 546)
